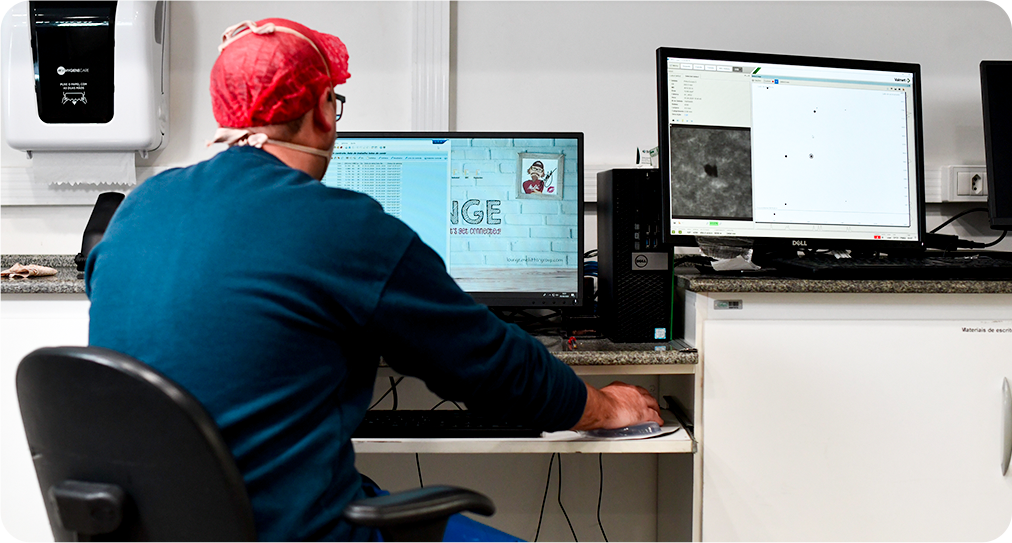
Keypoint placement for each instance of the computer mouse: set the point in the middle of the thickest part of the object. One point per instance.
(636, 430)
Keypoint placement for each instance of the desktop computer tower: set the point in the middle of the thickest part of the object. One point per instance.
(634, 265)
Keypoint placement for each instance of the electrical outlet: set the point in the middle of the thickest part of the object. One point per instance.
(970, 184)
(977, 185)
(965, 184)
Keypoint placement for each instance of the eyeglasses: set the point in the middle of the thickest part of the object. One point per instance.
(340, 106)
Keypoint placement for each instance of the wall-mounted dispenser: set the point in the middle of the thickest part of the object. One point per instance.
(85, 76)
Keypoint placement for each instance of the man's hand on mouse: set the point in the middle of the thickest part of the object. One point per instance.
(618, 405)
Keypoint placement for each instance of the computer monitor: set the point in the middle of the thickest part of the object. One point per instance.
(503, 210)
(790, 152)
(996, 98)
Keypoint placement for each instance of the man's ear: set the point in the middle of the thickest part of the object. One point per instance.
(324, 112)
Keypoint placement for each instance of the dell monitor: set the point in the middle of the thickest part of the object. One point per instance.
(996, 95)
(503, 210)
(790, 152)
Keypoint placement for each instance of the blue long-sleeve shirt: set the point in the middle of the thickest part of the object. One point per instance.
(271, 299)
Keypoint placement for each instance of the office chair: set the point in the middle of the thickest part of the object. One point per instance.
(123, 453)
(101, 215)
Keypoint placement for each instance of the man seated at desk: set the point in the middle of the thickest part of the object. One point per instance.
(271, 298)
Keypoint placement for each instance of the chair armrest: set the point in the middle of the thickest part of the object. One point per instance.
(418, 505)
(87, 508)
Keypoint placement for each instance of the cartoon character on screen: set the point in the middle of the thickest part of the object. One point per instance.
(536, 185)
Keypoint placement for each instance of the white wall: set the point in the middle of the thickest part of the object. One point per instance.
(378, 36)
(589, 68)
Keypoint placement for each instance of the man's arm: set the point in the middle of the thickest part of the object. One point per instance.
(427, 327)
(618, 405)
(432, 330)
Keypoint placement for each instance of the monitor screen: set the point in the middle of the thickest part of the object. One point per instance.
(996, 89)
(790, 152)
(503, 210)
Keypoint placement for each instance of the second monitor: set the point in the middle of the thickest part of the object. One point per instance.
(503, 210)
(792, 152)
(996, 98)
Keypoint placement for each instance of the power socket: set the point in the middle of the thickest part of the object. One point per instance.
(975, 186)
(965, 184)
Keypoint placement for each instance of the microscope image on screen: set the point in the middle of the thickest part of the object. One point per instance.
(711, 172)
(789, 150)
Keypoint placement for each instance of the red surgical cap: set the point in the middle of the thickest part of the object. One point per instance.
(270, 77)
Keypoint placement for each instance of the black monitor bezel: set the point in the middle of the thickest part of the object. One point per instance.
(792, 244)
(995, 218)
(526, 300)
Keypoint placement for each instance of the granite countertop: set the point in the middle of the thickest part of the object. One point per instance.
(588, 352)
(604, 352)
(723, 283)
(66, 280)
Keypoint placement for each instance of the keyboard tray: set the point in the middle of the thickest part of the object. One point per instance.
(457, 424)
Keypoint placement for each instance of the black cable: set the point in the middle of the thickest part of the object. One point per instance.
(444, 401)
(393, 388)
(560, 502)
(418, 464)
(995, 242)
(548, 482)
(956, 216)
(699, 261)
(691, 258)
(953, 242)
(548, 324)
(590, 254)
(600, 493)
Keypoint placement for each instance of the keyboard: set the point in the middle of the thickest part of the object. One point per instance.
(437, 424)
(922, 267)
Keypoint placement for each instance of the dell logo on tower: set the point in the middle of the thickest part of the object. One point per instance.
(649, 261)
(799, 243)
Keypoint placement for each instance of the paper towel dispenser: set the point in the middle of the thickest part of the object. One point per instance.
(85, 75)
(72, 53)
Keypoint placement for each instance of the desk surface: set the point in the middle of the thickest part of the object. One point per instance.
(678, 442)
(648, 358)
(64, 282)
(590, 356)
(730, 283)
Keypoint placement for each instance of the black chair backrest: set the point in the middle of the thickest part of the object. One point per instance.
(101, 215)
(98, 421)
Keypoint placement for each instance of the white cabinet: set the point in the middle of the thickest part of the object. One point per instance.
(865, 417)
(817, 417)
(27, 322)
